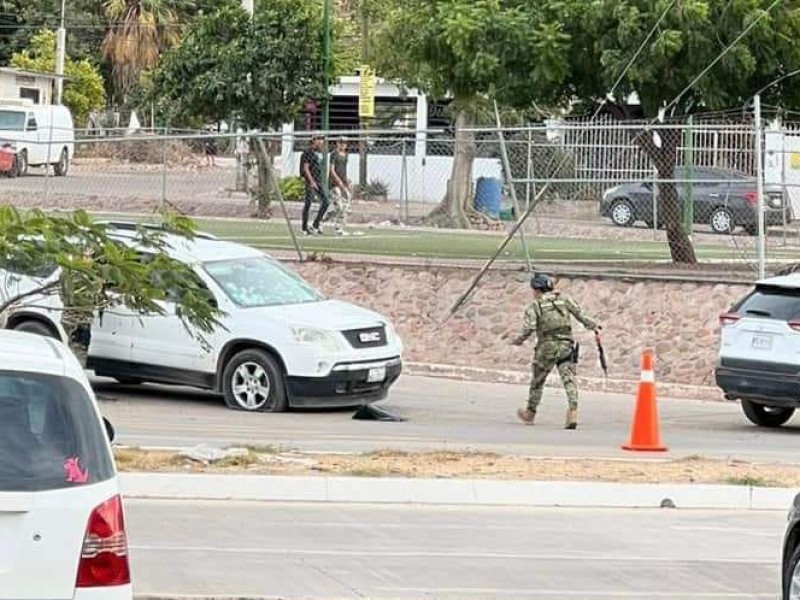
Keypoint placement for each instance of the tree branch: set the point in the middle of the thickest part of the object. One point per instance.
(47, 288)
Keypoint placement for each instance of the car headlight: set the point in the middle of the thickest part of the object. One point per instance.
(391, 333)
(316, 337)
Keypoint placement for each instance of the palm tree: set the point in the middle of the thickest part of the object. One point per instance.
(138, 32)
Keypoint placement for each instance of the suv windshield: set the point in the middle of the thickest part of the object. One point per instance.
(771, 302)
(50, 437)
(260, 281)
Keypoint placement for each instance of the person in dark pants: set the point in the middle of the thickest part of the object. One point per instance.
(311, 172)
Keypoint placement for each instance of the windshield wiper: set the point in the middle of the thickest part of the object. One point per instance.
(758, 313)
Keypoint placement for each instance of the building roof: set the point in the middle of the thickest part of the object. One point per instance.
(14, 71)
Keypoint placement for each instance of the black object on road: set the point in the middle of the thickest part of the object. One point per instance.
(601, 351)
(369, 412)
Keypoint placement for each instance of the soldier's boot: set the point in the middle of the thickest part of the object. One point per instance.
(572, 419)
(526, 416)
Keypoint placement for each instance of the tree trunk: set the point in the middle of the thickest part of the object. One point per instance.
(670, 209)
(456, 205)
(78, 332)
(262, 194)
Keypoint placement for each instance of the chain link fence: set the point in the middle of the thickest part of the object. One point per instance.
(622, 192)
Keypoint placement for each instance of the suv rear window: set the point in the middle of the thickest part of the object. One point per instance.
(771, 302)
(50, 437)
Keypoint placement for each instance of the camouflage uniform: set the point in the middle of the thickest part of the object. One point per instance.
(549, 318)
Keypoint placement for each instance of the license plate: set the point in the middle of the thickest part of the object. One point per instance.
(762, 342)
(376, 375)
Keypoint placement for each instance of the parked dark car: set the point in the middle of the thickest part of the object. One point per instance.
(790, 565)
(722, 198)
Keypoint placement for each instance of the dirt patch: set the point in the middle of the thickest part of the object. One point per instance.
(457, 465)
(147, 151)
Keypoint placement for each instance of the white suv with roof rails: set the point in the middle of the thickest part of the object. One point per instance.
(759, 354)
(281, 343)
(62, 529)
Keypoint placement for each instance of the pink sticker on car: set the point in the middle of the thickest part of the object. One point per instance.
(74, 473)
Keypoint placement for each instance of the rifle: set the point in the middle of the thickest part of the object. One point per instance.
(601, 351)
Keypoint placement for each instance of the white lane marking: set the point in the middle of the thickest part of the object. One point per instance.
(737, 530)
(560, 593)
(445, 555)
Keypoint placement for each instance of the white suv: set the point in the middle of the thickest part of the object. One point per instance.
(759, 354)
(62, 530)
(281, 343)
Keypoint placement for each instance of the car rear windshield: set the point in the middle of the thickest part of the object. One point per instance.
(50, 437)
(771, 302)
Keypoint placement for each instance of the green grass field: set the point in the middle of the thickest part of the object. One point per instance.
(455, 245)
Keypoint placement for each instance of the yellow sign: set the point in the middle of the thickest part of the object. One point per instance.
(795, 160)
(366, 92)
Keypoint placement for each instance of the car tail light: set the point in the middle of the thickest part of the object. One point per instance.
(728, 319)
(795, 325)
(752, 197)
(104, 557)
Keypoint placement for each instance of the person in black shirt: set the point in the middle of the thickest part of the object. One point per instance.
(311, 171)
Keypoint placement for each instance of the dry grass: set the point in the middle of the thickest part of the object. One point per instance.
(465, 465)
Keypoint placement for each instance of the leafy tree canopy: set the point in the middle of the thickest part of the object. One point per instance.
(80, 261)
(256, 70)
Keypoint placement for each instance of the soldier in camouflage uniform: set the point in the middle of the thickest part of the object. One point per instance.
(549, 317)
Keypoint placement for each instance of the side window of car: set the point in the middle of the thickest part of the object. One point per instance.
(174, 294)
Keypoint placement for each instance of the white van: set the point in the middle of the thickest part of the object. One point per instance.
(40, 135)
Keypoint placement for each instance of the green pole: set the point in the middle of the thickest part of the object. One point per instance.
(326, 66)
(688, 201)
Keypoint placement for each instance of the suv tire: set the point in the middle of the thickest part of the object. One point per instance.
(252, 381)
(722, 221)
(766, 416)
(622, 214)
(35, 327)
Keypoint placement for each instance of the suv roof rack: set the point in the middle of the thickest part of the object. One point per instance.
(133, 226)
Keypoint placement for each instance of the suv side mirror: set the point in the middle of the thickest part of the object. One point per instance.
(31, 125)
(110, 432)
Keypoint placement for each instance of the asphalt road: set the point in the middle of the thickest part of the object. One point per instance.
(102, 180)
(444, 414)
(246, 550)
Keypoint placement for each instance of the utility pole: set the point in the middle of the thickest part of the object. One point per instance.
(61, 50)
(326, 110)
(362, 146)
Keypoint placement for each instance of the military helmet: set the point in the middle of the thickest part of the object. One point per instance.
(541, 281)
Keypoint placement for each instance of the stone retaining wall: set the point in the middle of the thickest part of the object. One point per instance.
(679, 320)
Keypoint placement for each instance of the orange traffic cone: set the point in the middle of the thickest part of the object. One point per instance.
(645, 436)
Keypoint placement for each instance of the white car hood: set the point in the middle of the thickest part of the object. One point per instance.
(332, 315)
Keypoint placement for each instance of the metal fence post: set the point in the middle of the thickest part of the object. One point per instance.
(164, 171)
(762, 251)
(529, 171)
(688, 203)
(655, 203)
(404, 186)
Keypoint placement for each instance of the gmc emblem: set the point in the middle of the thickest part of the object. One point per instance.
(369, 337)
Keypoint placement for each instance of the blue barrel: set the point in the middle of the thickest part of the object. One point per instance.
(488, 196)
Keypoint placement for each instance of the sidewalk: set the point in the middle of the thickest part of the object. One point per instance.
(457, 492)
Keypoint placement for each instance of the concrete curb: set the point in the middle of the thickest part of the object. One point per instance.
(201, 597)
(614, 386)
(462, 492)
